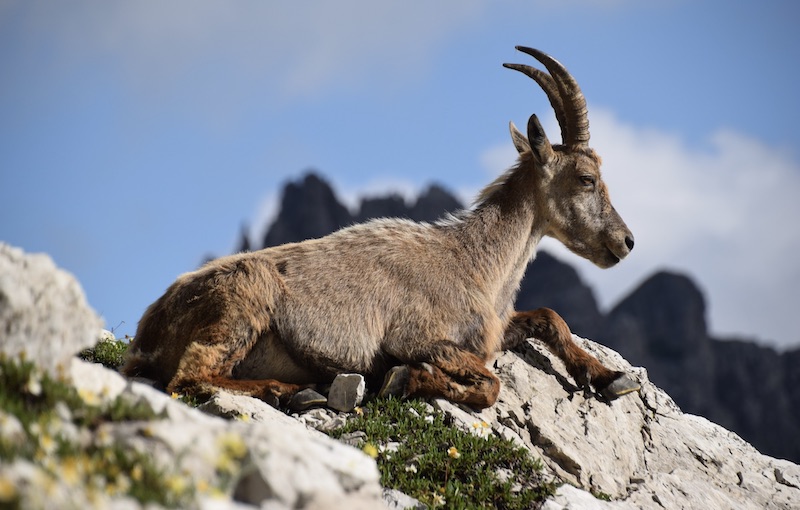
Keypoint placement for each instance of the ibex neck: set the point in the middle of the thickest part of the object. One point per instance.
(500, 234)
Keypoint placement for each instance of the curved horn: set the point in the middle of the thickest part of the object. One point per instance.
(551, 89)
(572, 99)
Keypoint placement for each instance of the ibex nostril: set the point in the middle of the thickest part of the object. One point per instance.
(629, 242)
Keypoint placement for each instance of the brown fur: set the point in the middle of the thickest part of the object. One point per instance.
(436, 297)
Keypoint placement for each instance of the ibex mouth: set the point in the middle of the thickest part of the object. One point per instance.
(615, 253)
(609, 259)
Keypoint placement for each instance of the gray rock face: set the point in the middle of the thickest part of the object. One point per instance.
(641, 450)
(43, 310)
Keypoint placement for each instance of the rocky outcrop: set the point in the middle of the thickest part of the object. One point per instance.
(640, 450)
(280, 463)
(43, 310)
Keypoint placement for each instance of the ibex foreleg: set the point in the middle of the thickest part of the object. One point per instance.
(548, 327)
(443, 369)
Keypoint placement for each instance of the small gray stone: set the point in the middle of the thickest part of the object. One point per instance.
(306, 399)
(355, 439)
(347, 392)
(396, 500)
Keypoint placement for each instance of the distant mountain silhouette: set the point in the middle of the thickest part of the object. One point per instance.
(661, 325)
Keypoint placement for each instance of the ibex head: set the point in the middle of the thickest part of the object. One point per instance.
(571, 193)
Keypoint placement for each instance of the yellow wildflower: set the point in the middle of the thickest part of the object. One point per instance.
(453, 452)
(176, 484)
(8, 491)
(371, 450)
(70, 472)
(202, 486)
(137, 473)
(233, 445)
(89, 397)
(225, 464)
(47, 444)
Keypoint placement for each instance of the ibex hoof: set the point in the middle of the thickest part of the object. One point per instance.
(620, 386)
(305, 399)
(395, 382)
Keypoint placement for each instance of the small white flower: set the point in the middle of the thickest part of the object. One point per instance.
(34, 385)
(106, 336)
(11, 428)
(481, 429)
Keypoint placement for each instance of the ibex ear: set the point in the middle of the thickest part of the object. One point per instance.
(520, 142)
(540, 145)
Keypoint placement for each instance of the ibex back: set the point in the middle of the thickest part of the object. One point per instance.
(421, 306)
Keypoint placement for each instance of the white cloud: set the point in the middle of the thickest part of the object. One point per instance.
(722, 210)
(290, 50)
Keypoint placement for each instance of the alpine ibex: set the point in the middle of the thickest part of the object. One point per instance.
(422, 306)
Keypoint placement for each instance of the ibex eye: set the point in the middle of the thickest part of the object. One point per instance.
(587, 180)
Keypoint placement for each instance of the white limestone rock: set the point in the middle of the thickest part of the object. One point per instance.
(43, 311)
(639, 449)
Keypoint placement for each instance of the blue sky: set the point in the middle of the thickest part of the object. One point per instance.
(136, 137)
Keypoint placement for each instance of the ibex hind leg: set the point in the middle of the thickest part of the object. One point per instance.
(207, 364)
(548, 327)
(443, 369)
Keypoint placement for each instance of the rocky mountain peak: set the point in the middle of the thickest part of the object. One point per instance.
(671, 309)
(309, 209)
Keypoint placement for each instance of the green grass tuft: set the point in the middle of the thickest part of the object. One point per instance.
(109, 351)
(444, 466)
